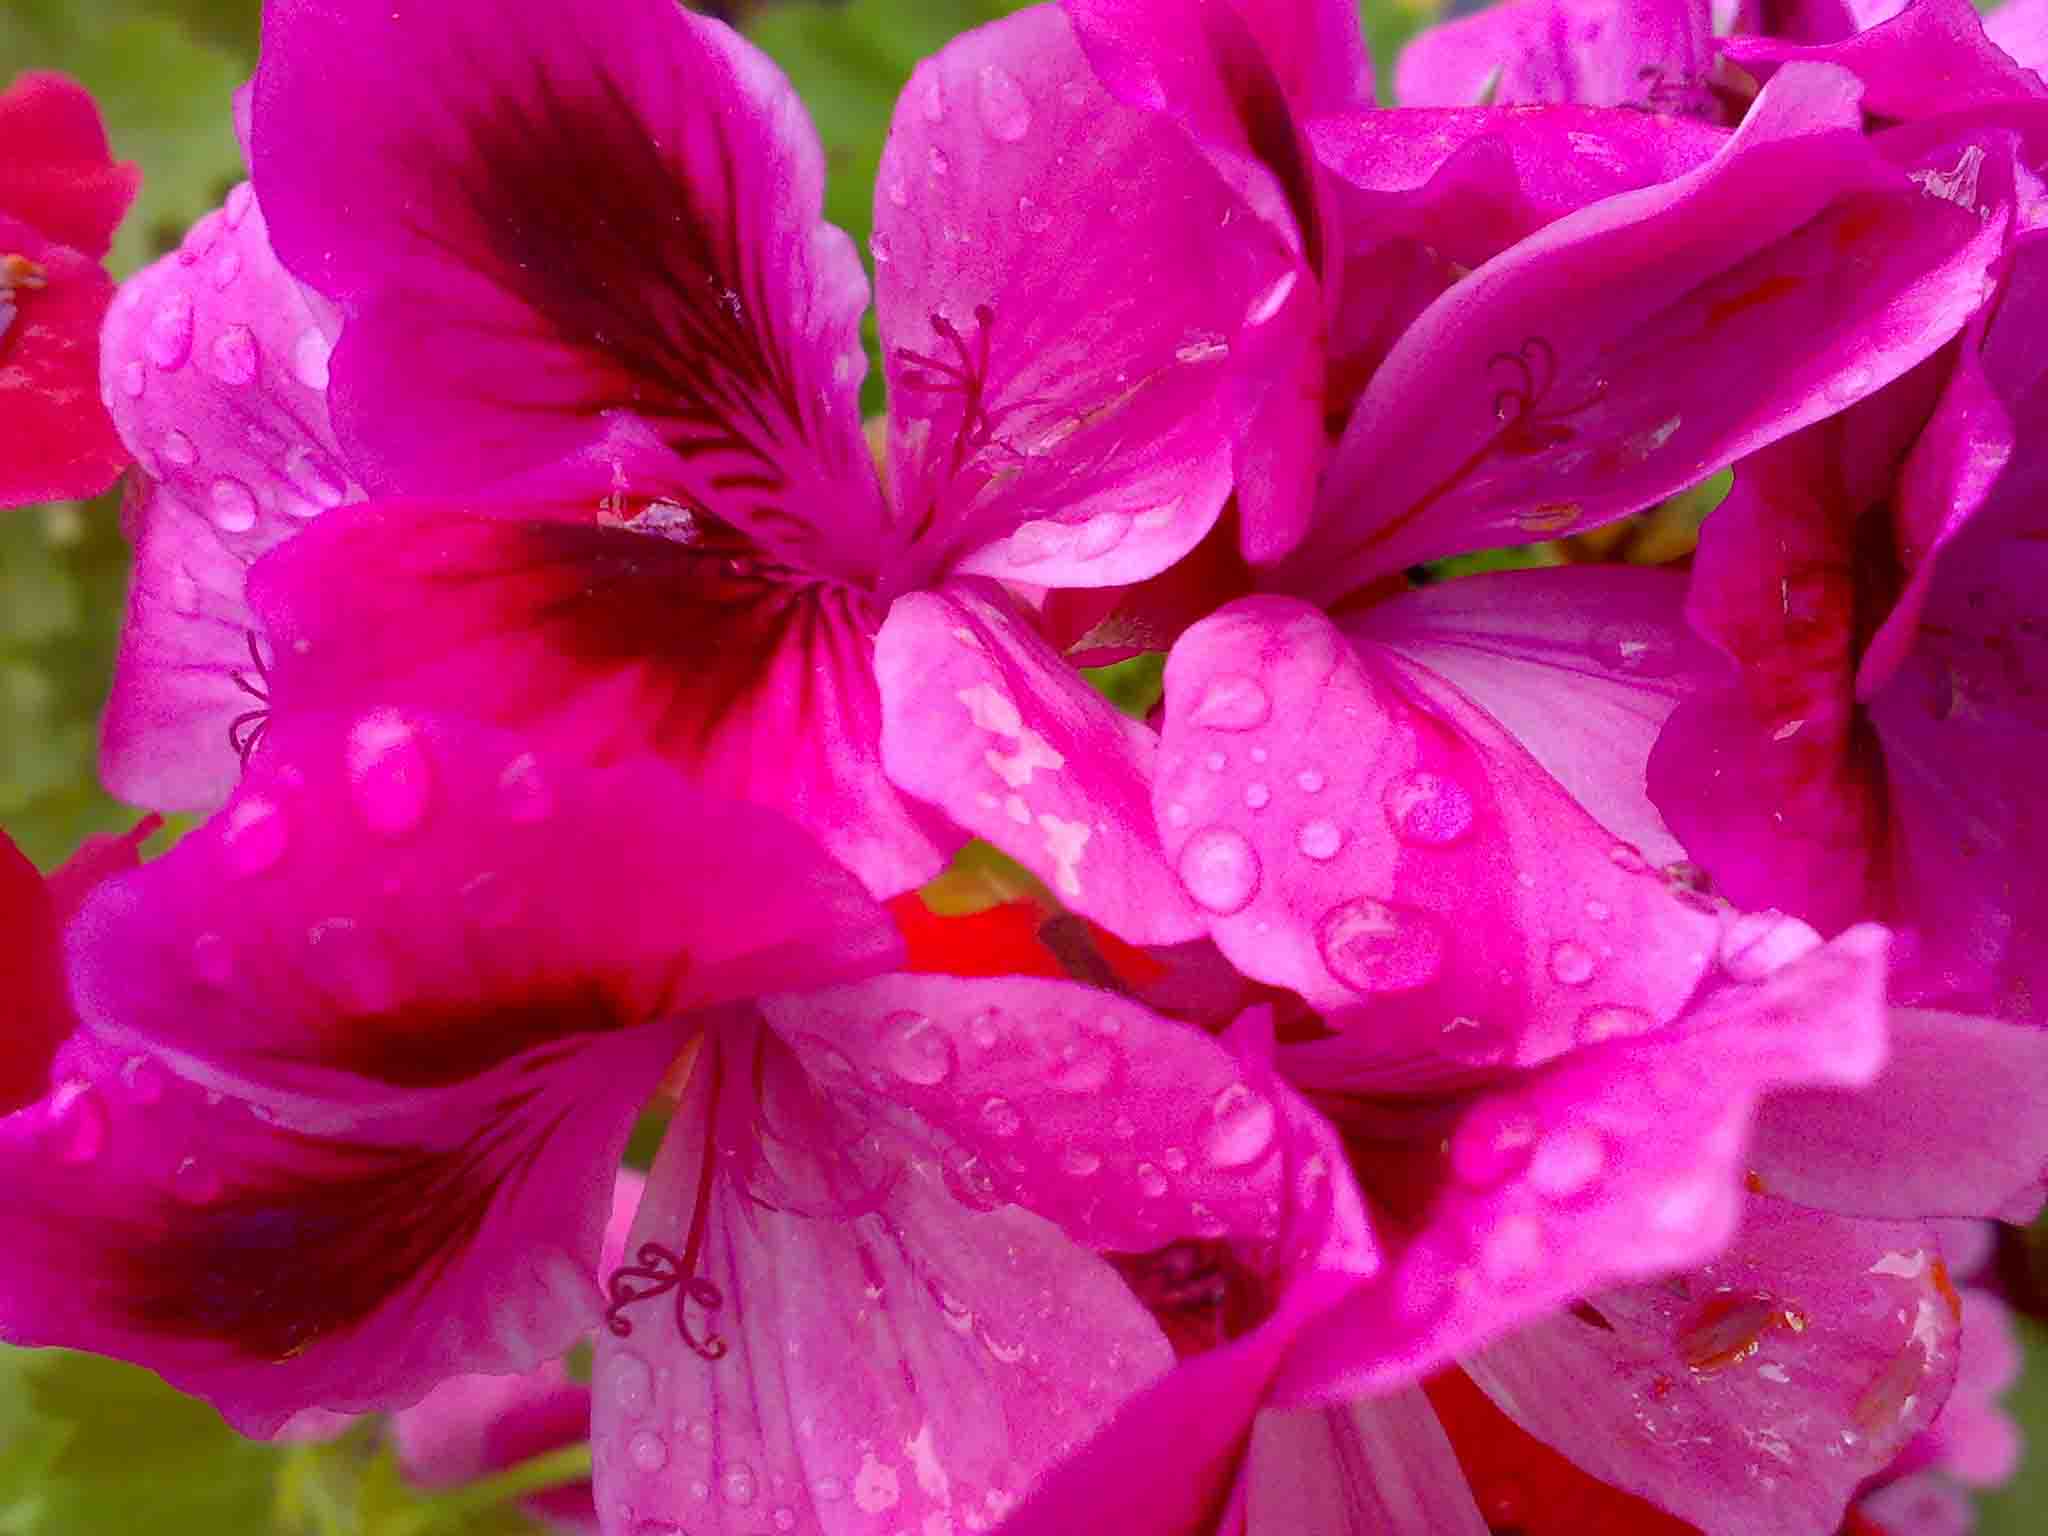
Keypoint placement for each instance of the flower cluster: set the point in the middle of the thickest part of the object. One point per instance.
(1530, 1050)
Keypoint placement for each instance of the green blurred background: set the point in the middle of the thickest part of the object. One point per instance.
(87, 1447)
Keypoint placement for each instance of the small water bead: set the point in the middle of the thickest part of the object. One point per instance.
(1610, 1022)
(1571, 964)
(168, 342)
(320, 482)
(1102, 533)
(1267, 304)
(1428, 808)
(1081, 1163)
(1005, 109)
(227, 268)
(1175, 1160)
(1567, 1161)
(1599, 911)
(1311, 781)
(1151, 1182)
(133, 380)
(737, 1486)
(916, 1049)
(1219, 870)
(1001, 1117)
(195, 1183)
(899, 190)
(525, 795)
(233, 355)
(1373, 946)
(78, 1122)
(1232, 702)
(1242, 1127)
(785, 1519)
(1319, 839)
(700, 1433)
(829, 1490)
(311, 356)
(1257, 796)
(390, 777)
(632, 1386)
(234, 505)
(934, 97)
(1644, 650)
(178, 450)
(1085, 1066)
(648, 1450)
(1215, 762)
(1491, 1144)
(254, 835)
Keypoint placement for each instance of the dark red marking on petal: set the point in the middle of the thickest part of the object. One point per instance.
(660, 1271)
(288, 1256)
(1754, 297)
(1269, 125)
(245, 731)
(1522, 1486)
(645, 275)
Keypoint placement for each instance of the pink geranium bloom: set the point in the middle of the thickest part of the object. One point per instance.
(357, 1058)
(592, 328)
(61, 196)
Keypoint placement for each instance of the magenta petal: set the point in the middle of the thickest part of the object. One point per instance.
(609, 642)
(1505, 410)
(1436, 885)
(2020, 27)
(1929, 59)
(1582, 665)
(554, 216)
(1651, 54)
(873, 1369)
(1379, 1466)
(1957, 1125)
(1616, 1163)
(1753, 1394)
(31, 979)
(981, 717)
(1064, 395)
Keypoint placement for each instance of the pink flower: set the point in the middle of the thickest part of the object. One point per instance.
(61, 195)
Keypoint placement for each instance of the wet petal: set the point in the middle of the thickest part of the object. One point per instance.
(1756, 1392)
(625, 219)
(1064, 392)
(885, 1356)
(982, 718)
(609, 641)
(2020, 27)
(1651, 54)
(1602, 410)
(1929, 59)
(1438, 888)
(1379, 1466)
(1957, 1125)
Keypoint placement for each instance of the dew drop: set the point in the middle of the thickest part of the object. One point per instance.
(1598, 910)
(648, 1450)
(78, 1122)
(632, 1386)
(1567, 1161)
(1005, 109)
(738, 1487)
(234, 505)
(1085, 1066)
(1220, 870)
(227, 268)
(1643, 650)
(316, 479)
(168, 341)
(1428, 808)
(254, 834)
(785, 1519)
(829, 1490)
(1232, 702)
(311, 355)
(133, 380)
(1571, 964)
(233, 355)
(1311, 782)
(1372, 946)
(1151, 1182)
(1319, 839)
(194, 1183)
(1214, 762)
(178, 449)
(934, 98)
(1491, 1144)
(1175, 1160)
(390, 778)
(1036, 540)
(917, 1050)
(1267, 304)
(1080, 1162)
(1242, 1127)
(1102, 533)
(1610, 1023)
(1257, 796)
(1001, 1117)
(700, 1433)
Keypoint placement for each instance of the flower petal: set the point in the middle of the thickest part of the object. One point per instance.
(1650, 54)
(1753, 1394)
(1930, 59)
(60, 440)
(1064, 400)
(981, 717)
(1379, 1466)
(31, 979)
(609, 641)
(555, 217)
(1438, 888)
(1486, 425)
(60, 176)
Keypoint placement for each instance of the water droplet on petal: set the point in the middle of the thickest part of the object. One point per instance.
(1080, 1162)
(78, 1122)
(1490, 1144)
(1610, 1023)
(254, 834)
(1005, 109)
(934, 98)
(1257, 796)
(234, 355)
(1311, 782)
(312, 354)
(1572, 964)
(700, 1433)
(178, 449)
(917, 1050)
(1101, 533)
(1220, 870)
(1151, 1182)
(321, 483)
(648, 1450)
(969, 1181)
(1232, 702)
(1373, 946)
(785, 1519)
(1319, 839)
(1567, 1160)
(738, 1486)
(1175, 1160)
(1267, 304)
(390, 778)
(1214, 762)
(1001, 1117)
(234, 505)
(829, 1490)
(133, 380)
(1085, 1066)
(168, 341)
(524, 793)
(899, 190)
(1644, 650)
(1242, 1127)
(1037, 540)
(227, 268)
(632, 1386)
(195, 1183)
(1428, 808)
